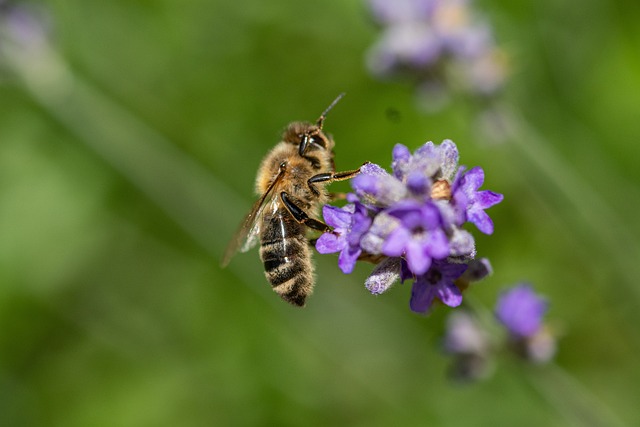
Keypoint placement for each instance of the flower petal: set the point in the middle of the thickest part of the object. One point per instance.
(337, 217)
(347, 259)
(431, 218)
(437, 244)
(451, 271)
(486, 199)
(481, 220)
(418, 183)
(360, 224)
(474, 178)
(329, 243)
(395, 243)
(422, 295)
(449, 294)
(417, 257)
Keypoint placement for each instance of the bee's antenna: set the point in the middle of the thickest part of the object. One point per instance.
(324, 113)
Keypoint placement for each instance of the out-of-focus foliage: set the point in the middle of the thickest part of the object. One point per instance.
(117, 201)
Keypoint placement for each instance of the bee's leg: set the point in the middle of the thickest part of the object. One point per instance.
(301, 215)
(329, 178)
(337, 196)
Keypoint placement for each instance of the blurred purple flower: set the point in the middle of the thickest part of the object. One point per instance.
(463, 335)
(388, 12)
(521, 310)
(436, 41)
(27, 25)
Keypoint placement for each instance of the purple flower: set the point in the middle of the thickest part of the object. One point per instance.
(409, 223)
(349, 223)
(376, 188)
(437, 283)
(521, 311)
(420, 237)
(426, 160)
(436, 41)
(388, 12)
(471, 203)
(464, 335)
(26, 26)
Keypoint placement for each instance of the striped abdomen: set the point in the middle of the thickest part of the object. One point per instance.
(286, 256)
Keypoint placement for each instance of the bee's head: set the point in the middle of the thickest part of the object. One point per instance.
(308, 136)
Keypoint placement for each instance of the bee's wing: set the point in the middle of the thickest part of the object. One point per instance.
(247, 235)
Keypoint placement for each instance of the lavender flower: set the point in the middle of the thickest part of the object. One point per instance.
(23, 26)
(438, 283)
(409, 222)
(419, 237)
(521, 310)
(464, 335)
(471, 203)
(469, 344)
(349, 224)
(475, 344)
(442, 43)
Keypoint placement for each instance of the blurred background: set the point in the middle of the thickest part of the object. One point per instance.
(130, 135)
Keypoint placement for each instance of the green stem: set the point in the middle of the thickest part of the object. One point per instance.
(570, 398)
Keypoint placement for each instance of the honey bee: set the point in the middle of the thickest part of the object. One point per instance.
(291, 184)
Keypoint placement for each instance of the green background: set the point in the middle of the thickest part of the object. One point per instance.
(119, 192)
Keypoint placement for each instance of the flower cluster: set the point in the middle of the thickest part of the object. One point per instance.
(519, 327)
(410, 224)
(441, 43)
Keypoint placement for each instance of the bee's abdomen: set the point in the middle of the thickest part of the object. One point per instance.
(288, 267)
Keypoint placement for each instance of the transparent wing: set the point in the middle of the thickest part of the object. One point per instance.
(247, 235)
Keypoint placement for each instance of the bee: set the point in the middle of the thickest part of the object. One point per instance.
(291, 184)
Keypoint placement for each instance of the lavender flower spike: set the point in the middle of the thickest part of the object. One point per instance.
(409, 223)
(441, 44)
